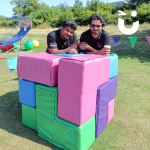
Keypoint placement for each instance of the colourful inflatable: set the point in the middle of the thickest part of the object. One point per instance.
(7, 47)
(29, 45)
(36, 43)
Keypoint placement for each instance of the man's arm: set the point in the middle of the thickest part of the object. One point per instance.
(103, 51)
(53, 49)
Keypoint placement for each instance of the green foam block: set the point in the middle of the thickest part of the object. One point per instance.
(56, 130)
(67, 136)
(46, 99)
(29, 117)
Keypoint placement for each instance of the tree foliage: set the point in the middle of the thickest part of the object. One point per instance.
(54, 16)
(25, 7)
(138, 2)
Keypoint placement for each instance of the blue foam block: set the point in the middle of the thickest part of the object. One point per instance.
(69, 55)
(27, 94)
(113, 65)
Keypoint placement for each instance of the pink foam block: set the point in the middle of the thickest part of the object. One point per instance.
(78, 80)
(110, 110)
(39, 67)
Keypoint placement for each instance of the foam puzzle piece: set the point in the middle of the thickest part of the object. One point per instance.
(110, 110)
(113, 65)
(105, 93)
(78, 80)
(66, 135)
(29, 117)
(46, 99)
(101, 119)
(39, 67)
(68, 55)
(27, 94)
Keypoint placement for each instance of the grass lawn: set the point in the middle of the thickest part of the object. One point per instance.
(130, 127)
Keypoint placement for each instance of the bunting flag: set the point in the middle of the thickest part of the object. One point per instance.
(148, 39)
(132, 40)
(116, 39)
(12, 63)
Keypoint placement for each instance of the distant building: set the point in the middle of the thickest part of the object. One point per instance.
(119, 4)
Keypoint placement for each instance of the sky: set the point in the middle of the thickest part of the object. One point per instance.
(6, 9)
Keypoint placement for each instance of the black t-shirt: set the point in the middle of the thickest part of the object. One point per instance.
(54, 40)
(103, 39)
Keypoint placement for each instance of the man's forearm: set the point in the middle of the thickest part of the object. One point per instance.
(56, 51)
(93, 50)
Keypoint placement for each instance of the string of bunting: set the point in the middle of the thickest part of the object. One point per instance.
(131, 39)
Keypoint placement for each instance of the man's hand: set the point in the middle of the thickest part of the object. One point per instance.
(73, 51)
(83, 46)
(104, 51)
(74, 45)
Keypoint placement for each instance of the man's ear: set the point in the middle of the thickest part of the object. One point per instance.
(89, 25)
(61, 27)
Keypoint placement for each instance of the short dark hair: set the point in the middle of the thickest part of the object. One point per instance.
(70, 23)
(98, 17)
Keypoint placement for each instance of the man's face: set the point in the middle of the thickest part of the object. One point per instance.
(96, 27)
(66, 32)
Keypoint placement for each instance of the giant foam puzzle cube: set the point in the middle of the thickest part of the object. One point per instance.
(76, 112)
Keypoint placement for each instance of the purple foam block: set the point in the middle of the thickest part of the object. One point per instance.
(101, 119)
(105, 93)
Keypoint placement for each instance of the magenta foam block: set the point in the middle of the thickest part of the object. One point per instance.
(105, 94)
(78, 80)
(39, 67)
(110, 110)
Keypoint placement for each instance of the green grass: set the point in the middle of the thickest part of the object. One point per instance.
(130, 127)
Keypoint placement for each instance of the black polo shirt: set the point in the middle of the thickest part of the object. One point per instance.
(54, 40)
(98, 44)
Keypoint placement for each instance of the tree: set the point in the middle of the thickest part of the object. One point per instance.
(78, 4)
(25, 7)
(138, 2)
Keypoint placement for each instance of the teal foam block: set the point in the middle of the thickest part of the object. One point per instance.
(29, 117)
(113, 65)
(27, 94)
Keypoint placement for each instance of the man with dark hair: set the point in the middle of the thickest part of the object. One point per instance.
(63, 40)
(95, 40)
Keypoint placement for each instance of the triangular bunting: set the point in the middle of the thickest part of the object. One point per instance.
(132, 40)
(116, 39)
(12, 63)
(11, 70)
(148, 39)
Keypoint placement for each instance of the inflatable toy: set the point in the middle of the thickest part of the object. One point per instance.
(36, 43)
(29, 45)
(15, 45)
(7, 47)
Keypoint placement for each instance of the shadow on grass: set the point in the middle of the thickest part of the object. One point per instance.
(11, 119)
(11, 80)
(141, 49)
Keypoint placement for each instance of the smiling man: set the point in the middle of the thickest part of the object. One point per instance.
(63, 40)
(95, 40)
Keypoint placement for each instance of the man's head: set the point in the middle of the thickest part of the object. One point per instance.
(67, 29)
(96, 23)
